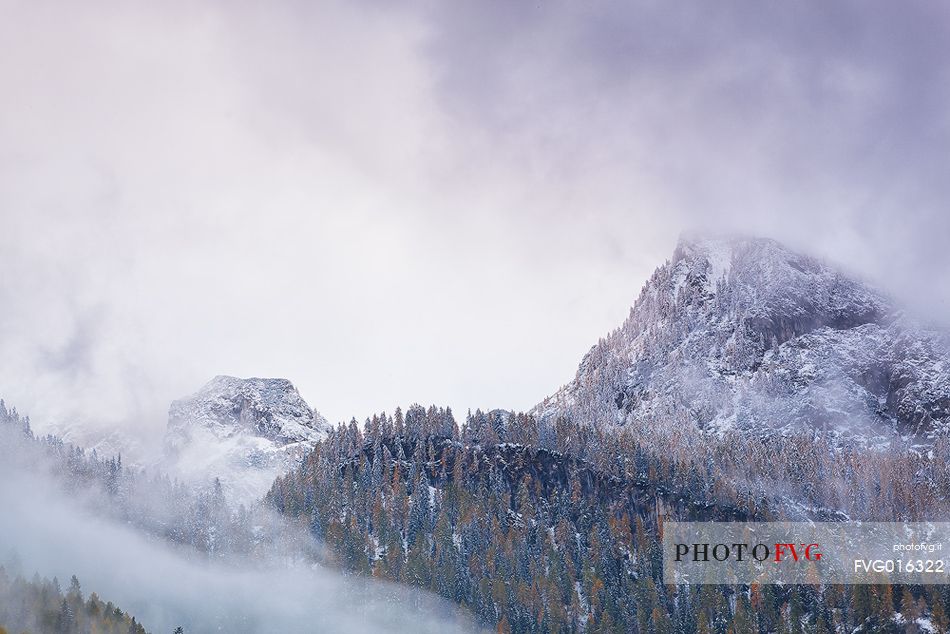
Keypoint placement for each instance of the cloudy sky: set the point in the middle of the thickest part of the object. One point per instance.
(433, 202)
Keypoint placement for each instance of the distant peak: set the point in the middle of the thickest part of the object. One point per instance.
(272, 406)
(244, 431)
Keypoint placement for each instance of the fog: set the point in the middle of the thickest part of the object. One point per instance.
(429, 202)
(163, 587)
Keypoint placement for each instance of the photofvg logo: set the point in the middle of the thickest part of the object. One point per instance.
(741, 551)
(804, 553)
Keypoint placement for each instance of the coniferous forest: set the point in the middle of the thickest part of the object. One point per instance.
(534, 539)
(530, 527)
(499, 516)
(41, 605)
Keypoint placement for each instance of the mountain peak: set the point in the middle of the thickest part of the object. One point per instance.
(270, 407)
(721, 251)
(783, 293)
(243, 431)
(735, 331)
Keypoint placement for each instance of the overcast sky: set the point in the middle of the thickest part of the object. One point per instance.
(443, 202)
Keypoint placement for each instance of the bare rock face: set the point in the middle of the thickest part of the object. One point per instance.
(743, 333)
(243, 431)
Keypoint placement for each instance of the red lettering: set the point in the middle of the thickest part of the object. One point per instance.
(780, 551)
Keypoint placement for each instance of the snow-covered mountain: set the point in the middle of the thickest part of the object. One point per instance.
(745, 333)
(243, 431)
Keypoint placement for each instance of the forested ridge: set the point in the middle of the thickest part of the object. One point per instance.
(532, 527)
(535, 539)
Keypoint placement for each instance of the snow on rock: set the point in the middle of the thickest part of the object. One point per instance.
(744, 333)
(243, 431)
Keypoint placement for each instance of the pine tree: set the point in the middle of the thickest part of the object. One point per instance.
(883, 596)
(909, 607)
(938, 613)
(743, 620)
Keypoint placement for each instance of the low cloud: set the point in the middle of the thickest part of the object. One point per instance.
(163, 587)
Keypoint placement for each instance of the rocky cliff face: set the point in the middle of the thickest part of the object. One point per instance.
(243, 431)
(745, 333)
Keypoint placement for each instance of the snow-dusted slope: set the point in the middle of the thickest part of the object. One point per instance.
(744, 333)
(243, 431)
